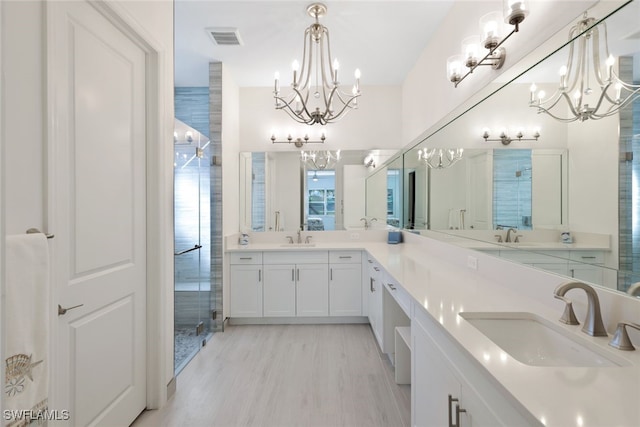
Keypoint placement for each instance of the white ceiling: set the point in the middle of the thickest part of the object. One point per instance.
(364, 34)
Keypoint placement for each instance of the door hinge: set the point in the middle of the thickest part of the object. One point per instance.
(199, 328)
(214, 314)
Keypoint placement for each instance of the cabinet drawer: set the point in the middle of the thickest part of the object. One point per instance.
(297, 257)
(530, 257)
(345, 257)
(589, 257)
(245, 258)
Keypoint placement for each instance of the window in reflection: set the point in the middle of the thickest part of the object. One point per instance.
(321, 200)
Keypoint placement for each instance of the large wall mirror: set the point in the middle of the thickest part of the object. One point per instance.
(279, 192)
(510, 178)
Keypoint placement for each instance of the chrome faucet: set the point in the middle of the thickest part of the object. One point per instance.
(593, 322)
(366, 223)
(508, 238)
(634, 290)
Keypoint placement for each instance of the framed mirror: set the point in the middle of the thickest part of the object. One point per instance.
(555, 176)
(279, 192)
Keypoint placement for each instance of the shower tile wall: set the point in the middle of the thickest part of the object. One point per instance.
(629, 233)
(510, 188)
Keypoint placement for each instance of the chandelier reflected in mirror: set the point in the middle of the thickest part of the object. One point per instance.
(316, 96)
(440, 158)
(319, 160)
(585, 66)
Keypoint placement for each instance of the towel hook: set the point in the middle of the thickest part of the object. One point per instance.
(35, 231)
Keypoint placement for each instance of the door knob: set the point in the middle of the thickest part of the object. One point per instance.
(63, 311)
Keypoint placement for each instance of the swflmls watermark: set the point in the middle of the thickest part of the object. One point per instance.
(34, 415)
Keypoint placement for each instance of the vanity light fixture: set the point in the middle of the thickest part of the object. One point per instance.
(369, 162)
(320, 160)
(316, 96)
(491, 39)
(440, 158)
(506, 139)
(298, 142)
(589, 38)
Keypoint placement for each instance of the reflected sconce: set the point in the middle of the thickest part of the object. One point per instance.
(440, 158)
(505, 139)
(298, 142)
(490, 39)
(589, 58)
(188, 136)
(369, 162)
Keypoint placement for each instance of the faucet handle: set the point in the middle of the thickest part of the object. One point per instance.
(568, 316)
(517, 239)
(621, 339)
(290, 239)
(499, 238)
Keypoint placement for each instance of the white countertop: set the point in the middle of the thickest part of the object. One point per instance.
(558, 396)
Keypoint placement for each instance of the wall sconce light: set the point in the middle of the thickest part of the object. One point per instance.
(506, 139)
(298, 142)
(369, 162)
(515, 11)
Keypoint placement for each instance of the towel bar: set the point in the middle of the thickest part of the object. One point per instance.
(35, 230)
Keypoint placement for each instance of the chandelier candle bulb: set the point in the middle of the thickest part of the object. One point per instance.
(533, 90)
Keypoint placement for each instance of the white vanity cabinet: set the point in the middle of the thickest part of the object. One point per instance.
(246, 284)
(446, 382)
(345, 283)
(296, 284)
(375, 287)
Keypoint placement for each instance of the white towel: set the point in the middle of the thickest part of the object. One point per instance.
(27, 324)
(456, 219)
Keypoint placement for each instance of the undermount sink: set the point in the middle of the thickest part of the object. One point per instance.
(297, 245)
(535, 341)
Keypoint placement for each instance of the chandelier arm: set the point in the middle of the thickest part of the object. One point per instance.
(595, 44)
(616, 107)
(570, 57)
(560, 119)
(628, 86)
(553, 100)
(307, 59)
(325, 85)
(345, 106)
(297, 117)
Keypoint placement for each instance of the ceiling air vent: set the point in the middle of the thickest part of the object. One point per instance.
(225, 36)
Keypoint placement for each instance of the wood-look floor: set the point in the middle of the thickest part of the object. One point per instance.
(287, 375)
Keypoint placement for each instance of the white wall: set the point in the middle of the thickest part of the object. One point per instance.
(375, 124)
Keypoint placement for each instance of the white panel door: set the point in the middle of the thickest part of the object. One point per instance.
(97, 203)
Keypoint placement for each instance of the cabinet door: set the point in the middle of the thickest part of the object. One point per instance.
(279, 291)
(312, 290)
(375, 307)
(431, 383)
(587, 272)
(345, 285)
(246, 291)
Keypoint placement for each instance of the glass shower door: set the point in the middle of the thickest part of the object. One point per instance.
(192, 260)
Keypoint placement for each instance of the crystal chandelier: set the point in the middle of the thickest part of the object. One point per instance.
(440, 158)
(316, 96)
(583, 102)
(320, 160)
